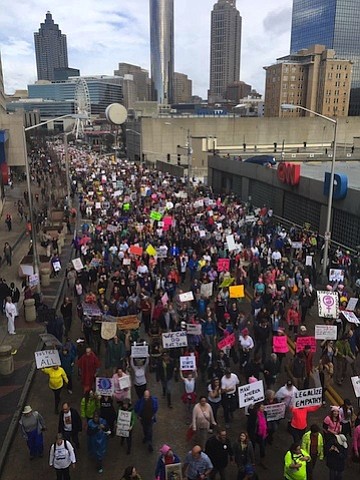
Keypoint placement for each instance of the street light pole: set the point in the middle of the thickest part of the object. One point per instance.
(327, 234)
(189, 154)
(67, 169)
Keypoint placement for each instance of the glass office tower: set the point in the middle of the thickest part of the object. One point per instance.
(162, 49)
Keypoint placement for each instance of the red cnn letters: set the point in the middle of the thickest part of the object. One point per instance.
(289, 173)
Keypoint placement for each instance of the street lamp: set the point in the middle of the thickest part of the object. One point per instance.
(67, 169)
(327, 236)
(139, 134)
(188, 148)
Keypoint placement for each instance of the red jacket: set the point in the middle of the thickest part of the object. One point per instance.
(293, 317)
(299, 416)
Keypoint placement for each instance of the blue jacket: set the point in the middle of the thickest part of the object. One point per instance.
(160, 466)
(139, 406)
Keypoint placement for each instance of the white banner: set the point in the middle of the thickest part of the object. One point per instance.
(307, 398)
(325, 332)
(193, 329)
(206, 289)
(356, 386)
(174, 339)
(186, 297)
(351, 317)
(123, 423)
(328, 304)
(47, 358)
(140, 351)
(104, 386)
(251, 393)
(275, 411)
(188, 363)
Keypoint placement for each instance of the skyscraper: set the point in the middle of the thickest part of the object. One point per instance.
(333, 23)
(162, 49)
(225, 48)
(50, 49)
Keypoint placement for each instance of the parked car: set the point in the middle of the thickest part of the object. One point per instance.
(261, 160)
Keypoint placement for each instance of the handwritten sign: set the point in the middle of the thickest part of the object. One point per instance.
(174, 339)
(356, 386)
(34, 280)
(123, 423)
(352, 304)
(280, 344)
(193, 329)
(275, 411)
(124, 382)
(104, 386)
(351, 317)
(186, 297)
(308, 260)
(302, 342)
(135, 250)
(47, 358)
(325, 332)
(140, 351)
(328, 304)
(237, 291)
(188, 363)
(231, 243)
(129, 322)
(77, 263)
(307, 398)
(206, 289)
(251, 393)
(227, 342)
(223, 264)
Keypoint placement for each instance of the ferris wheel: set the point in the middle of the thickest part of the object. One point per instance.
(82, 107)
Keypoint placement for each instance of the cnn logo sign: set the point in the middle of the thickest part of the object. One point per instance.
(289, 173)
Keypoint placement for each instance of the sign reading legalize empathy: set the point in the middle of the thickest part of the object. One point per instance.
(307, 398)
(47, 358)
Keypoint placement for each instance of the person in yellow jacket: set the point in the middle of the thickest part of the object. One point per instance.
(295, 462)
(57, 378)
(313, 444)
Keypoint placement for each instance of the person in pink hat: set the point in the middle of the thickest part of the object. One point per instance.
(167, 457)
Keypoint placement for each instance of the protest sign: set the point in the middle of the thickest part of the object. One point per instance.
(104, 386)
(223, 264)
(328, 304)
(108, 330)
(188, 363)
(325, 332)
(156, 216)
(77, 263)
(206, 289)
(296, 245)
(351, 317)
(227, 342)
(237, 291)
(227, 282)
(307, 398)
(47, 358)
(173, 471)
(308, 260)
(129, 322)
(112, 228)
(135, 250)
(351, 304)
(231, 243)
(275, 411)
(202, 233)
(301, 343)
(56, 266)
(124, 382)
(199, 203)
(186, 297)
(174, 339)
(280, 344)
(165, 299)
(123, 423)
(251, 393)
(336, 275)
(150, 250)
(34, 280)
(140, 351)
(126, 261)
(356, 386)
(193, 329)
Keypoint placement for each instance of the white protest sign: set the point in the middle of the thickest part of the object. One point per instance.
(126, 261)
(78, 265)
(98, 205)
(297, 245)
(251, 393)
(57, 266)
(206, 289)
(104, 386)
(307, 398)
(308, 260)
(351, 317)
(174, 339)
(199, 203)
(325, 332)
(188, 363)
(275, 411)
(123, 423)
(231, 243)
(47, 358)
(27, 270)
(124, 382)
(140, 351)
(356, 386)
(112, 228)
(186, 297)
(352, 304)
(336, 275)
(202, 233)
(193, 329)
(328, 304)
(33, 280)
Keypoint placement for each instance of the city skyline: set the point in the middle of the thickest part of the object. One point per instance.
(107, 35)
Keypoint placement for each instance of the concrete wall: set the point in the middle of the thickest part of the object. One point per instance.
(15, 148)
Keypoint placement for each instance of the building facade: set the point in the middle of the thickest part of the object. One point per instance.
(314, 78)
(333, 23)
(182, 88)
(225, 48)
(237, 90)
(50, 49)
(162, 50)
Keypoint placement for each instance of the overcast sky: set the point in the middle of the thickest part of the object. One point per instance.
(102, 33)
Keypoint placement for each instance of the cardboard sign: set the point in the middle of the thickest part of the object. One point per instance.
(356, 386)
(275, 411)
(280, 344)
(223, 264)
(174, 340)
(193, 329)
(135, 250)
(188, 363)
(227, 342)
(47, 358)
(130, 322)
(237, 291)
(140, 351)
(123, 423)
(124, 382)
(251, 393)
(206, 289)
(77, 263)
(301, 343)
(325, 332)
(351, 317)
(328, 304)
(231, 243)
(186, 297)
(308, 398)
(351, 304)
(104, 386)
(336, 275)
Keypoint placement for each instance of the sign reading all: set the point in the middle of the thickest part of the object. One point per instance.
(289, 173)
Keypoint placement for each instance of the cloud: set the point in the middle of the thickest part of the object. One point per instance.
(102, 34)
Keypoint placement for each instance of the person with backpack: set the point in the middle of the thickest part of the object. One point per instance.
(62, 455)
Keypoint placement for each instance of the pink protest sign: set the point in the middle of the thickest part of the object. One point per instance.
(301, 343)
(167, 223)
(227, 342)
(223, 264)
(280, 344)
